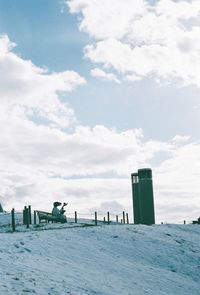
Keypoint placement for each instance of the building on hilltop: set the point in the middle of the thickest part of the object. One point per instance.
(142, 193)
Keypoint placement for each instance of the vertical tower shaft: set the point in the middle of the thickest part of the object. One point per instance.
(136, 201)
(143, 202)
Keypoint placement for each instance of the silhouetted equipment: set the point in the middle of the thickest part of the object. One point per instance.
(142, 191)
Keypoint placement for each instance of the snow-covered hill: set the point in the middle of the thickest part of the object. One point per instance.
(103, 260)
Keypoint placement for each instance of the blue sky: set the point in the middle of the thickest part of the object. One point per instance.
(44, 34)
(48, 34)
(131, 99)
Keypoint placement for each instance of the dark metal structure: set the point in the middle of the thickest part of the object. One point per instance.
(143, 201)
(136, 201)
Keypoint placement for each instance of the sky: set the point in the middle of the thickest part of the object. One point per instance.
(91, 91)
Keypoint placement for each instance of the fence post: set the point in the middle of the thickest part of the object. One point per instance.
(29, 213)
(27, 217)
(117, 219)
(124, 217)
(34, 217)
(13, 219)
(104, 220)
(127, 219)
(184, 222)
(24, 215)
(75, 217)
(95, 216)
(108, 217)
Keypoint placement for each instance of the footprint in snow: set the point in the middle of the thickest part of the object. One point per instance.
(28, 250)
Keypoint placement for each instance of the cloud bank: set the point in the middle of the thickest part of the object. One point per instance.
(45, 154)
(137, 40)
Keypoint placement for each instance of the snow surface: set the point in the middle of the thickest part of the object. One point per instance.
(101, 260)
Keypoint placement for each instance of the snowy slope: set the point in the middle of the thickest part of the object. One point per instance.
(103, 260)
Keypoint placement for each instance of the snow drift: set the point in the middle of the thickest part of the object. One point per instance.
(102, 260)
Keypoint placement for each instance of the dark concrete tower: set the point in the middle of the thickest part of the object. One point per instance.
(143, 202)
(146, 196)
(136, 201)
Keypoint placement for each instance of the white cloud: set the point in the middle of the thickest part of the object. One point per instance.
(177, 183)
(180, 138)
(32, 88)
(113, 17)
(98, 73)
(140, 40)
(6, 45)
(42, 160)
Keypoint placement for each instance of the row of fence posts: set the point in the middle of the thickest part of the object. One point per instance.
(27, 217)
(124, 219)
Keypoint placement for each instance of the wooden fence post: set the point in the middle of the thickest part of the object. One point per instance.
(34, 217)
(29, 213)
(13, 219)
(108, 216)
(117, 219)
(124, 217)
(24, 215)
(127, 219)
(27, 217)
(95, 216)
(104, 220)
(75, 217)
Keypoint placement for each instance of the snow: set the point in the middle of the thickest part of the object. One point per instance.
(5, 219)
(101, 260)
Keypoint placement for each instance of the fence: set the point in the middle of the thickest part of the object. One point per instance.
(12, 219)
(99, 218)
(29, 218)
